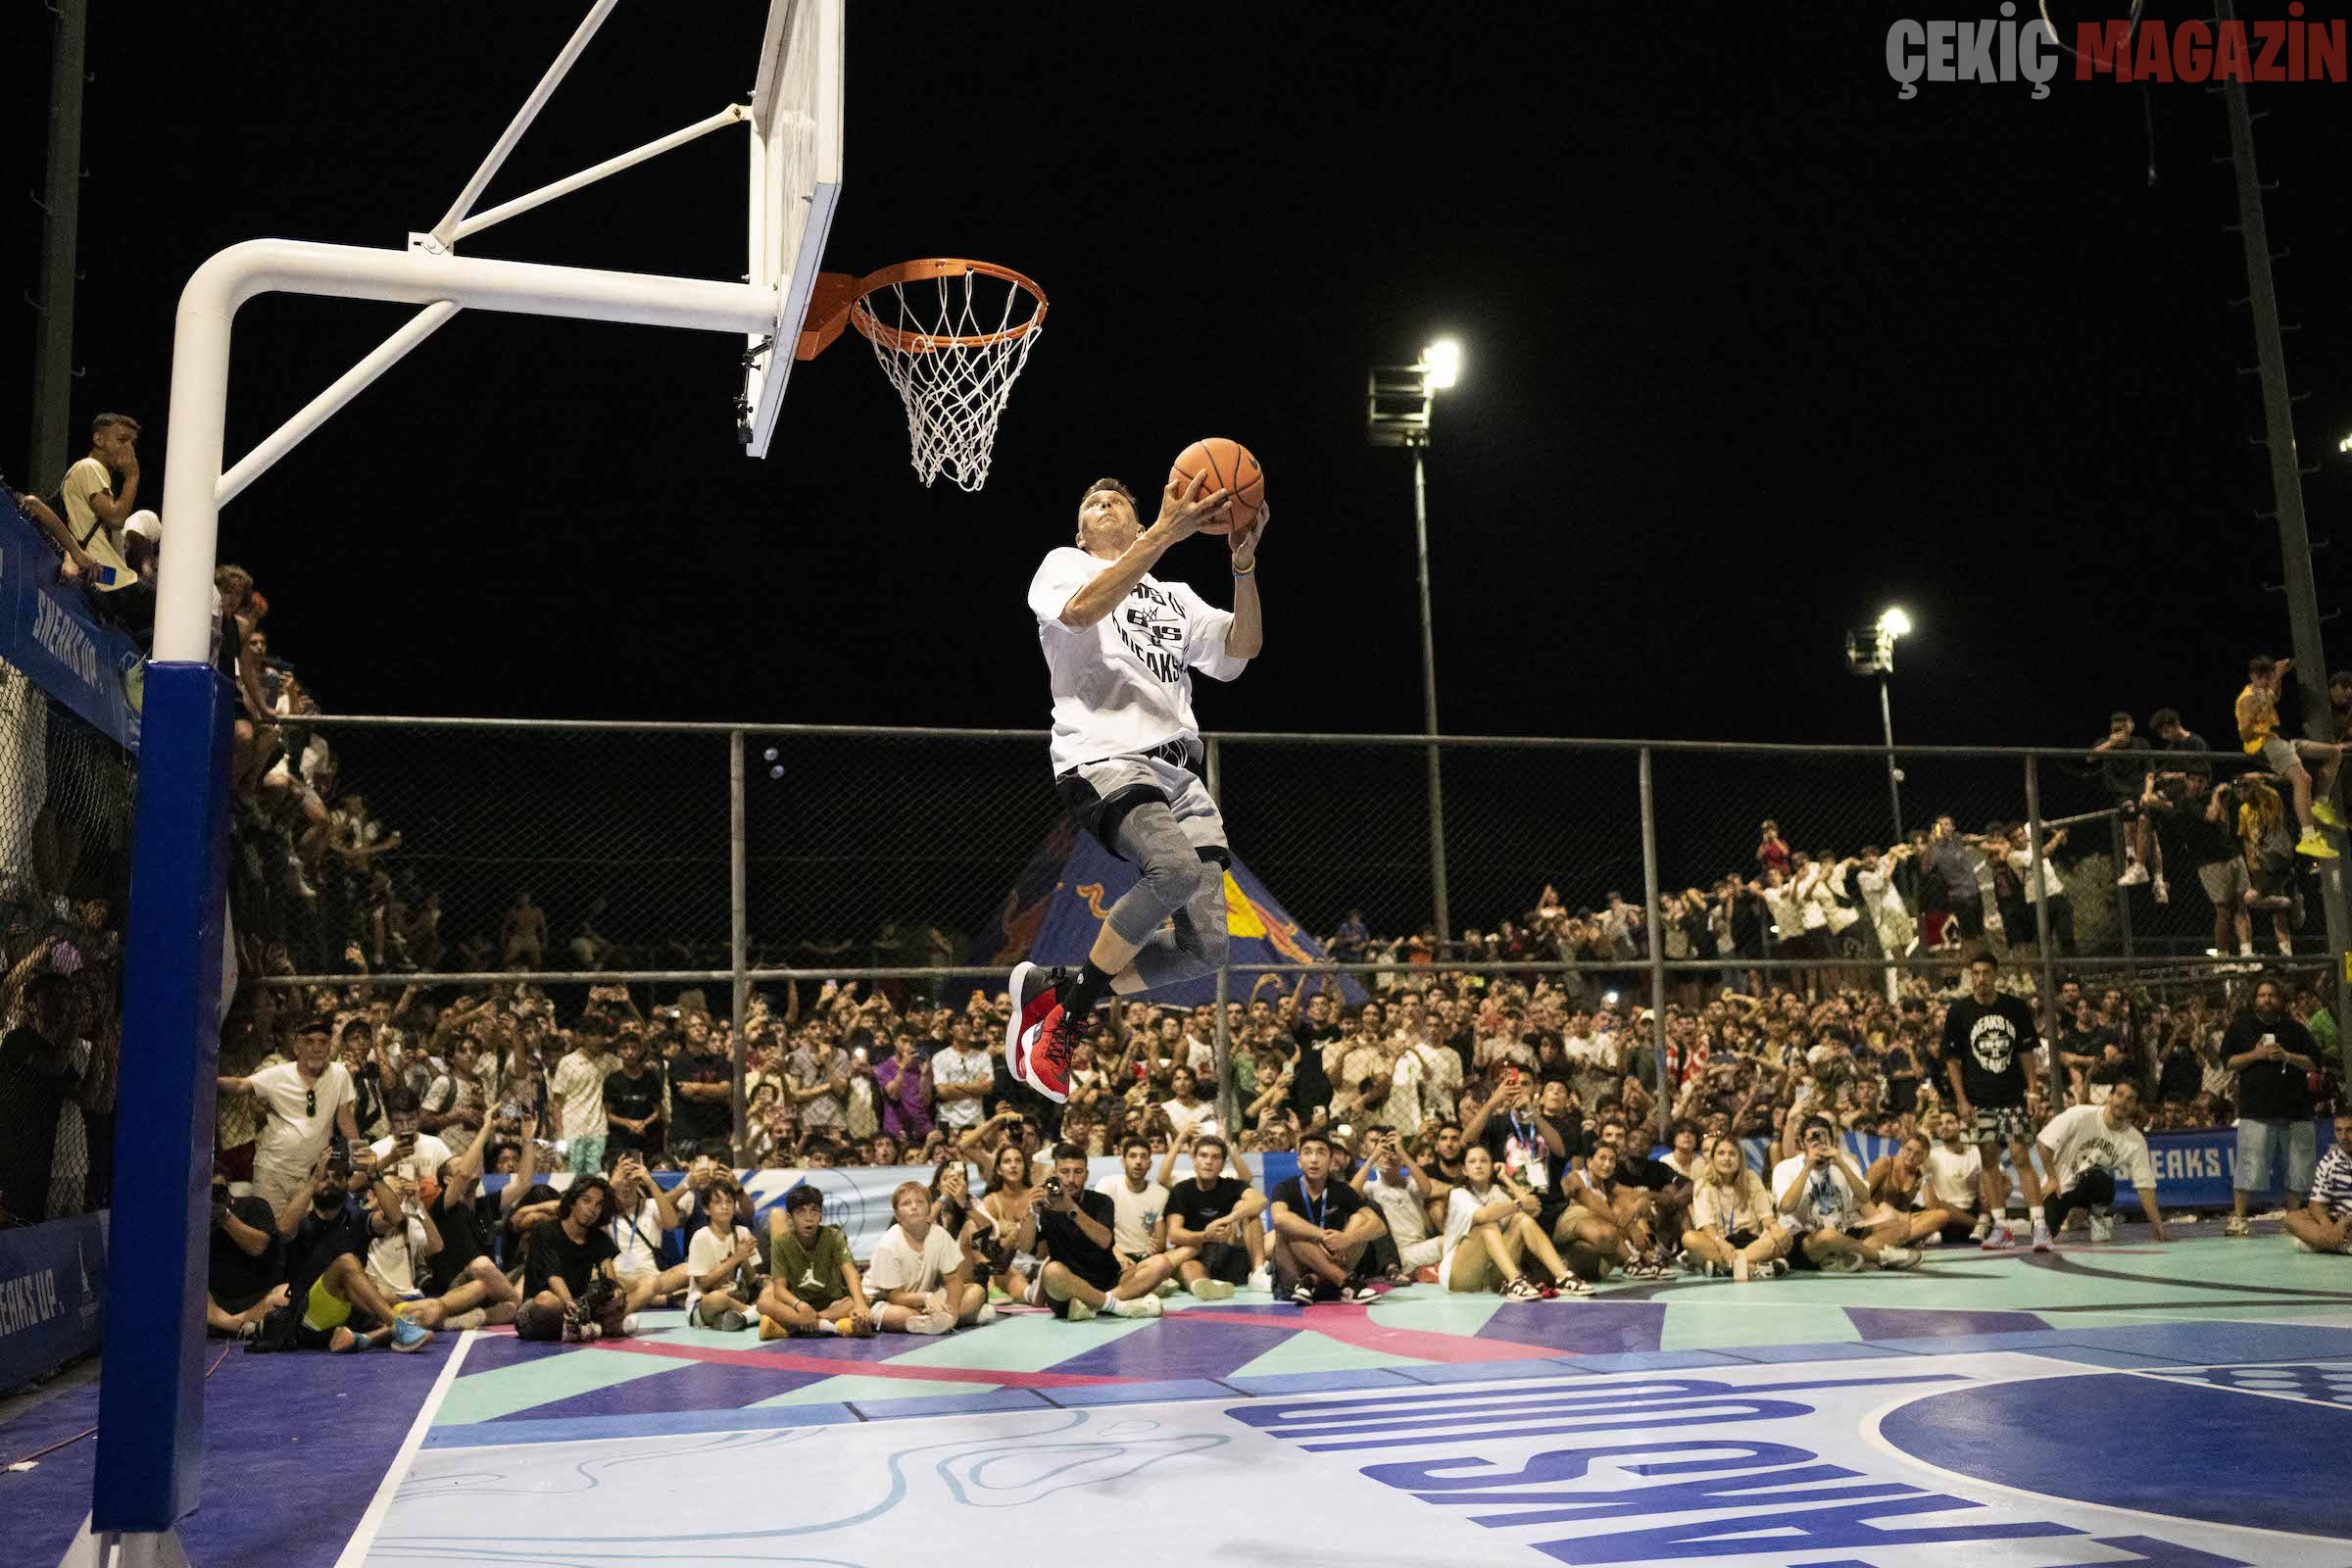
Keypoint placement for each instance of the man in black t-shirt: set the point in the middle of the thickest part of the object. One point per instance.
(702, 1087)
(2274, 1056)
(567, 1282)
(1082, 1275)
(1988, 1052)
(37, 1076)
(1323, 1231)
(1217, 1215)
(1316, 1028)
(331, 1303)
(1529, 1147)
(633, 1102)
(246, 1280)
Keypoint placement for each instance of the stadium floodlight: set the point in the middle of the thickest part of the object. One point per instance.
(1441, 364)
(1895, 623)
(2345, 445)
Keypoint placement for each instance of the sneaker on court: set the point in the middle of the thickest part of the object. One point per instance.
(2041, 1236)
(1047, 1068)
(985, 1316)
(1899, 1258)
(938, 1320)
(771, 1329)
(1302, 1294)
(1079, 1311)
(1360, 1291)
(2000, 1237)
(729, 1322)
(1212, 1290)
(2102, 1227)
(1168, 1288)
(1772, 1268)
(1141, 1306)
(2314, 844)
(1932, 1239)
(1984, 1228)
(1842, 1263)
(1260, 1280)
(853, 1326)
(462, 1321)
(2237, 1225)
(1034, 1003)
(628, 1326)
(408, 1336)
(2302, 1245)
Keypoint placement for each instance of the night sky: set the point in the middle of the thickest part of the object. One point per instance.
(1754, 348)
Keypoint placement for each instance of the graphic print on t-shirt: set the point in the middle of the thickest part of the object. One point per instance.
(1993, 1043)
(1152, 625)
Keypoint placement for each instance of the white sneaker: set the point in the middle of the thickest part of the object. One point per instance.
(1261, 1279)
(2235, 1225)
(2301, 1246)
(988, 1315)
(1168, 1288)
(1078, 1311)
(1212, 1290)
(2102, 1227)
(628, 1325)
(939, 1320)
(1932, 1239)
(1141, 1306)
(1842, 1263)
(462, 1321)
(2041, 1236)
(2163, 892)
(2133, 875)
(1984, 1228)
(2000, 1237)
(1899, 1258)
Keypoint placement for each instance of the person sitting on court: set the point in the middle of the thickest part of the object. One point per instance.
(1899, 1181)
(467, 1285)
(1014, 1202)
(1733, 1229)
(1597, 1219)
(812, 1286)
(922, 1278)
(1653, 1200)
(1820, 1195)
(1954, 1182)
(641, 1210)
(1490, 1225)
(1083, 1274)
(2085, 1149)
(969, 1224)
(331, 1303)
(2325, 1223)
(722, 1264)
(1323, 1229)
(1137, 1203)
(1391, 1179)
(1215, 1218)
(246, 1280)
(570, 1291)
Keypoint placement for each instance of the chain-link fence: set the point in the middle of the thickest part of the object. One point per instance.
(66, 793)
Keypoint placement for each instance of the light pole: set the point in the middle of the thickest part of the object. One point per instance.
(1399, 405)
(1870, 652)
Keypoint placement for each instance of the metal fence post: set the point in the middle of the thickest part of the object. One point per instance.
(738, 943)
(2123, 895)
(1657, 936)
(2042, 899)
(1216, 772)
(1228, 1104)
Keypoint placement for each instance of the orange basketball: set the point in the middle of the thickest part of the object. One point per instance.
(1229, 467)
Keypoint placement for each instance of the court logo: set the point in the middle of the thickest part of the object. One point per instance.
(1976, 50)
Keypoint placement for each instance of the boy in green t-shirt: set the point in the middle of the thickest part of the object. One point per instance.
(812, 1286)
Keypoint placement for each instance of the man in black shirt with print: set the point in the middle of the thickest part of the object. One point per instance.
(2274, 1058)
(1989, 1045)
(1215, 1218)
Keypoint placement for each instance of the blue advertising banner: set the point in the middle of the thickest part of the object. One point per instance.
(48, 632)
(51, 1295)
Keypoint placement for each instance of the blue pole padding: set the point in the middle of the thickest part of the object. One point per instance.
(151, 1394)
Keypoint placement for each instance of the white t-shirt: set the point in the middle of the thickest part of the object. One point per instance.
(2080, 1140)
(640, 1241)
(706, 1253)
(1400, 1204)
(1951, 1181)
(1461, 1212)
(394, 1257)
(1124, 684)
(1136, 1213)
(1183, 1118)
(1832, 1199)
(294, 1135)
(431, 1152)
(962, 1066)
(86, 478)
(577, 1087)
(2022, 862)
(899, 1265)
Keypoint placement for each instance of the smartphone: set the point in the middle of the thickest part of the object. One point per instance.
(859, 1055)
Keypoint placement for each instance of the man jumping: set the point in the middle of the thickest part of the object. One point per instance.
(1120, 648)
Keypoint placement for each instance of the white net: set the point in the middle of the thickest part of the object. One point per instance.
(953, 345)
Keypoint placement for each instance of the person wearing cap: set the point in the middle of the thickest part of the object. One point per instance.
(813, 1287)
(304, 1101)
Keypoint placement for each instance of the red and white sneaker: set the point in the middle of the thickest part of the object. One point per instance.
(1049, 1062)
(1035, 1001)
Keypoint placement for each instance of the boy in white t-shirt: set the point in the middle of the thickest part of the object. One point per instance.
(2087, 1148)
(722, 1264)
(1120, 648)
(1393, 1181)
(921, 1279)
(1138, 1201)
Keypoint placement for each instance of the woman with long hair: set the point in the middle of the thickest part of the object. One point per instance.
(1734, 1227)
(1490, 1223)
(1011, 1204)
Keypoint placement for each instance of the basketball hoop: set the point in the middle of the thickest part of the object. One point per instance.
(951, 335)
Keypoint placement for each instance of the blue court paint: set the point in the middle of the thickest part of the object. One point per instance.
(150, 1405)
(1839, 1350)
(1138, 1393)
(1601, 1327)
(1911, 1322)
(1170, 1348)
(1483, 1371)
(2235, 1459)
(950, 1403)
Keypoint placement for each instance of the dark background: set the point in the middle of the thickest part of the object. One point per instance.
(1753, 349)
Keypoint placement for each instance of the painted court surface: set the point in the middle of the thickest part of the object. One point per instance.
(2189, 1406)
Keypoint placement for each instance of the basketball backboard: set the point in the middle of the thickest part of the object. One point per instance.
(795, 182)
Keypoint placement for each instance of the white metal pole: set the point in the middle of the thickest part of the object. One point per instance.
(596, 171)
(350, 384)
(446, 231)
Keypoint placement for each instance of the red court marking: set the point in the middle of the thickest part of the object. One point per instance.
(786, 1362)
(1350, 1324)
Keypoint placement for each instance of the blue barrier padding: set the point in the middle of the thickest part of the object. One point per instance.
(151, 1401)
(47, 631)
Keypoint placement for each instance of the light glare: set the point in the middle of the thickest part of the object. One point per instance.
(1441, 362)
(1896, 622)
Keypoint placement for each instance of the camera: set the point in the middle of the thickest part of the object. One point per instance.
(1054, 1188)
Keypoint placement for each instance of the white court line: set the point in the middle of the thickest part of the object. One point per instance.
(355, 1553)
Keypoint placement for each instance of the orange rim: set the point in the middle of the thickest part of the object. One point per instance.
(840, 299)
